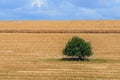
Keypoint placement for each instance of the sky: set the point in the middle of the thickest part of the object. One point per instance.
(59, 9)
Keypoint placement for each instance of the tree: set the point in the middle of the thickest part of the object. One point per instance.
(78, 47)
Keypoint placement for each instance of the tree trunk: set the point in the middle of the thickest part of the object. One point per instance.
(81, 58)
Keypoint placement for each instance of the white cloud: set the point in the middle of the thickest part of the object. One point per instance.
(86, 13)
(38, 3)
(60, 9)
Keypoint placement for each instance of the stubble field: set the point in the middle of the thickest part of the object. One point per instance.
(35, 56)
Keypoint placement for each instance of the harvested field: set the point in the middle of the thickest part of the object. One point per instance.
(26, 54)
(60, 25)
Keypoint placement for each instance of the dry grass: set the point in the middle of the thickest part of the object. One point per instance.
(35, 56)
(59, 25)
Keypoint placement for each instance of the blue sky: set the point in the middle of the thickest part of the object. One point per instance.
(59, 9)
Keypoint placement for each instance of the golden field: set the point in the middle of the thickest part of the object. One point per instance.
(35, 55)
(60, 25)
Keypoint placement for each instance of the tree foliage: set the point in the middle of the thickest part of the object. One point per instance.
(78, 47)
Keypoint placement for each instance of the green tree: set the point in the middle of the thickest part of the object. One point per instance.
(78, 47)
